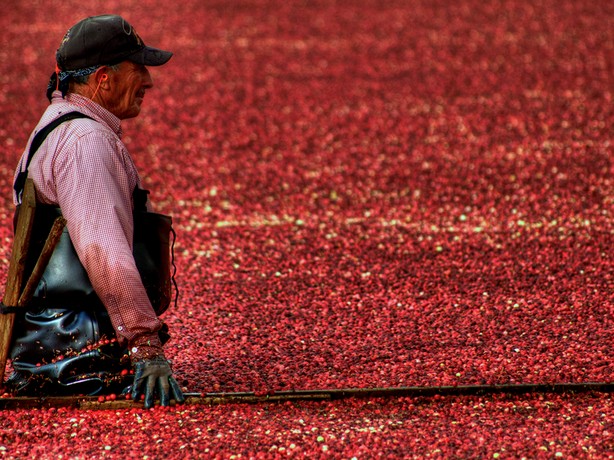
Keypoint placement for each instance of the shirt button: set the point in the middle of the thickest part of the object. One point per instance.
(120, 328)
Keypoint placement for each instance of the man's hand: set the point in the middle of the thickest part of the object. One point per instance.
(153, 376)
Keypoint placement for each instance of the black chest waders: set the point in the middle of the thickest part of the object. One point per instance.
(63, 341)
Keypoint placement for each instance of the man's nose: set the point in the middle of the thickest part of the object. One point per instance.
(147, 80)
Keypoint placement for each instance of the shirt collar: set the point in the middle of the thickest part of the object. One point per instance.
(91, 108)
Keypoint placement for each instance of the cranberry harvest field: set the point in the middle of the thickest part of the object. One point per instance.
(366, 194)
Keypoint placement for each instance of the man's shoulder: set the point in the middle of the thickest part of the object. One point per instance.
(82, 132)
(83, 137)
(90, 127)
(96, 120)
(79, 128)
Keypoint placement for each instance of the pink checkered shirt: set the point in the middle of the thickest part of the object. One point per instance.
(85, 169)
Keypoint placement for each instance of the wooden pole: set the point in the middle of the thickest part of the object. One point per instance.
(25, 219)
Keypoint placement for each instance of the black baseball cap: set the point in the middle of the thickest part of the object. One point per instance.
(105, 40)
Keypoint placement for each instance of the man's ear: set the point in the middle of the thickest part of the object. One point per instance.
(101, 77)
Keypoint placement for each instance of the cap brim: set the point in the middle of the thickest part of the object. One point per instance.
(150, 56)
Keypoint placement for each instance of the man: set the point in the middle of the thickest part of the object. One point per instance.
(73, 340)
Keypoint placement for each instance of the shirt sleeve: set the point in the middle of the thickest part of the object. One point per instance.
(94, 190)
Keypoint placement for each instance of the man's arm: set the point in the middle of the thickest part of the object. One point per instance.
(94, 190)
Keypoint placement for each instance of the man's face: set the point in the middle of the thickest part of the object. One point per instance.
(127, 89)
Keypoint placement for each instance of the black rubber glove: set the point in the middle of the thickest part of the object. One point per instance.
(153, 376)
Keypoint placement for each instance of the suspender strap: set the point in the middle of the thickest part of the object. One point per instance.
(37, 142)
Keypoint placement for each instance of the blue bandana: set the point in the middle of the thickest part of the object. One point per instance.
(65, 77)
(64, 74)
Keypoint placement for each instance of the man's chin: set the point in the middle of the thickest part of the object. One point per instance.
(130, 113)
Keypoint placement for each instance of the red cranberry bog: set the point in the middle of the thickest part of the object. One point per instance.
(394, 228)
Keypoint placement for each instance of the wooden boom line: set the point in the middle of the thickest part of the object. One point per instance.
(209, 399)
